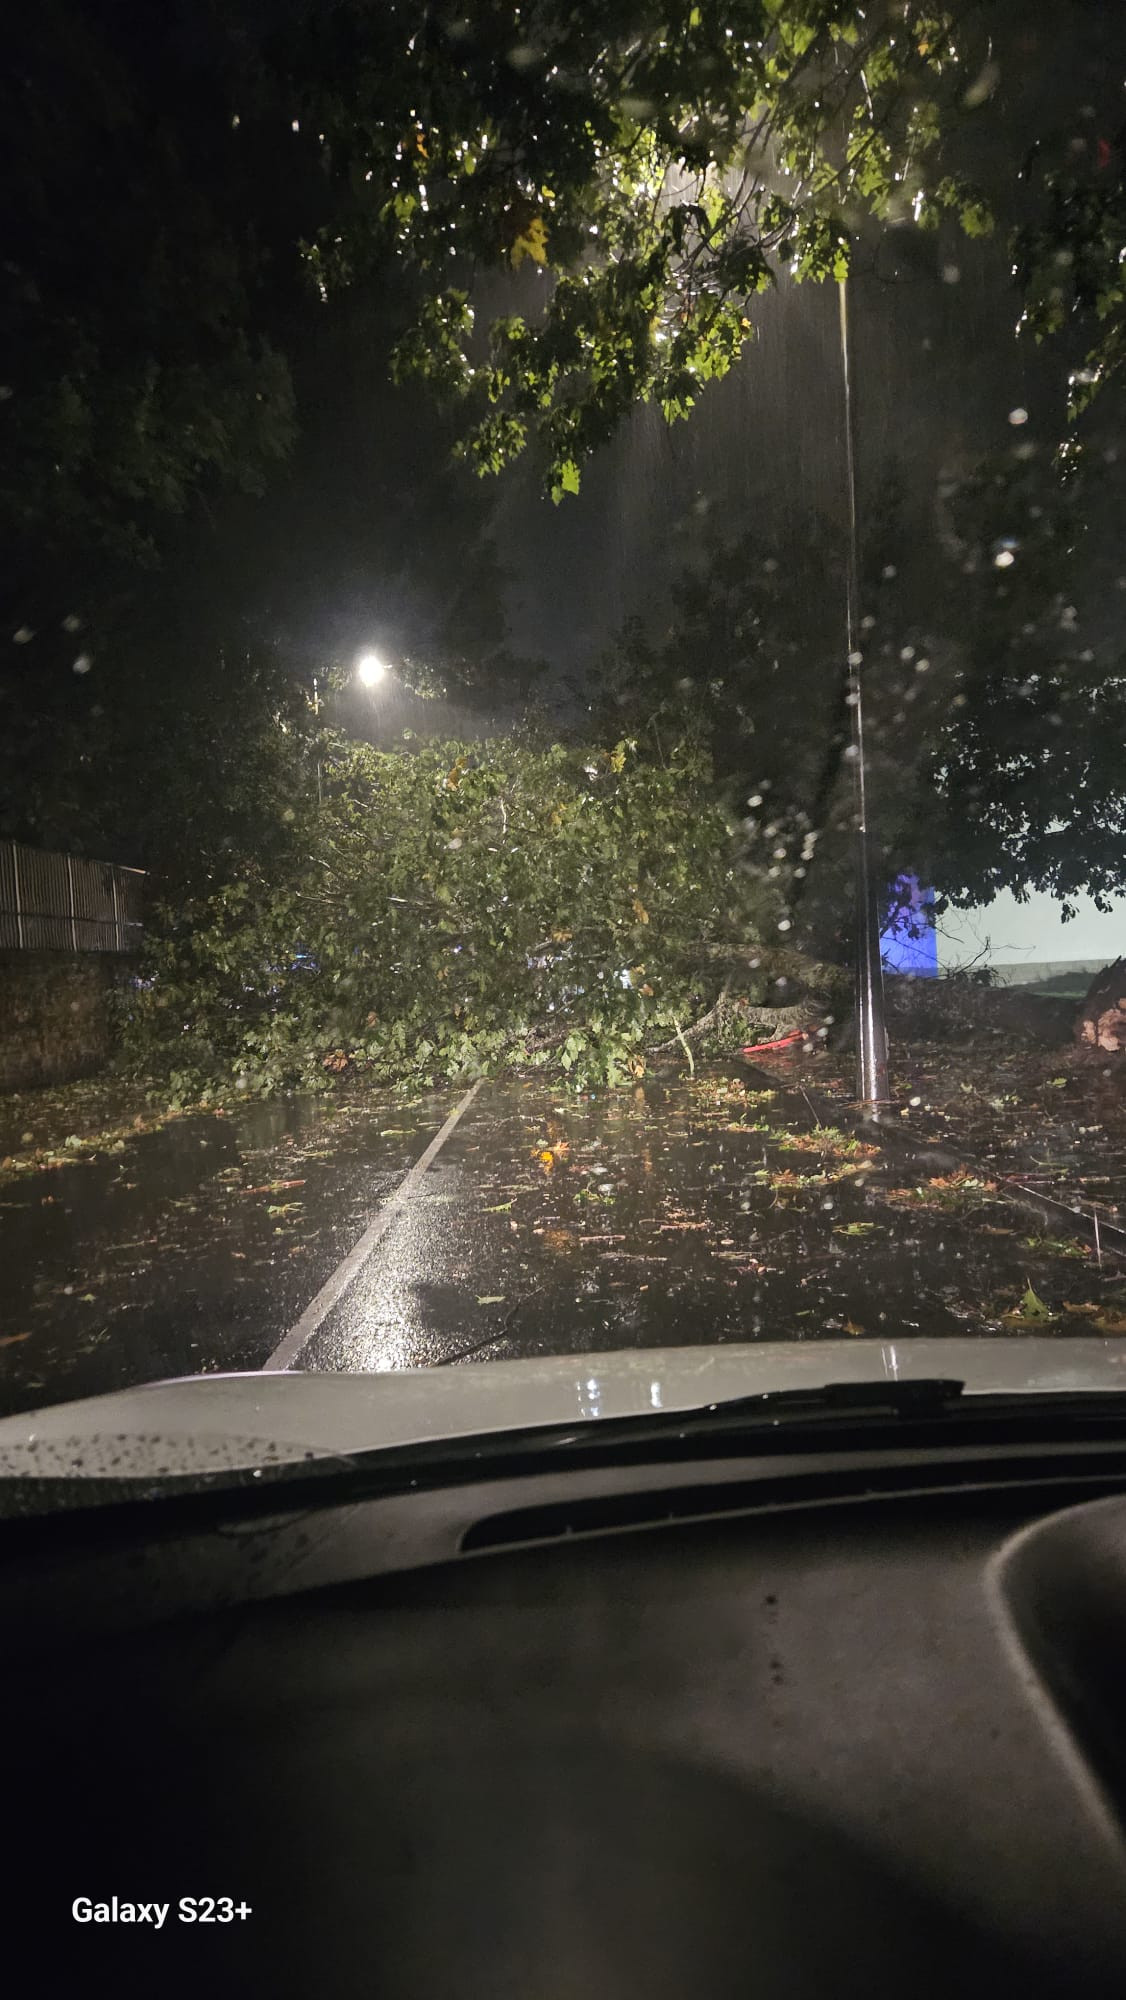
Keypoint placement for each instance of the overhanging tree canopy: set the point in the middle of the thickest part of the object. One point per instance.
(645, 166)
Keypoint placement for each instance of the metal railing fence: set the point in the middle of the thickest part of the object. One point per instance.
(64, 902)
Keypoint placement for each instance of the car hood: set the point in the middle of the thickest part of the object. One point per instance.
(213, 1423)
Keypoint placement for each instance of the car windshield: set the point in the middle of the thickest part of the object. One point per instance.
(562, 715)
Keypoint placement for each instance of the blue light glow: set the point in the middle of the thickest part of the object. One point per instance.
(909, 941)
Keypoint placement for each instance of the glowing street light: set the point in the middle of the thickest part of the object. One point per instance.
(370, 670)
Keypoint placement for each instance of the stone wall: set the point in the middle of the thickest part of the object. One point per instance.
(56, 1015)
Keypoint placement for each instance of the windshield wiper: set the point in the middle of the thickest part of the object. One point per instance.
(917, 1397)
(857, 1414)
(845, 1416)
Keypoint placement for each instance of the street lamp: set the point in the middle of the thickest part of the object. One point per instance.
(370, 671)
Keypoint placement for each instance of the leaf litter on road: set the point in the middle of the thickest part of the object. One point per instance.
(725, 1206)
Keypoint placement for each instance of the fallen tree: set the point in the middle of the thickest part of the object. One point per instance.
(451, 910)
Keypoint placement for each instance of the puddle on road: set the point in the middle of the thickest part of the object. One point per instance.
(195, 1247)
(691, 1212)
(672, 1214)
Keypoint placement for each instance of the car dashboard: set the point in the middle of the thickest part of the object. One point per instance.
(831, 1727)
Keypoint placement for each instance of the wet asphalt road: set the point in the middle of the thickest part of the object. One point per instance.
(675, 1213)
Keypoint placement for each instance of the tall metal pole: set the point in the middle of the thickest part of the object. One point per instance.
(317, 713)
(19, 898)
(70, 896)
(871, 1031)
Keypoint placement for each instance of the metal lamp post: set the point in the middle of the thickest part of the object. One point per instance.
(316, 712)
(871, 1031)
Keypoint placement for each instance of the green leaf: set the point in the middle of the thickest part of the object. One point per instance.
(1032, 1307)
(566, 481)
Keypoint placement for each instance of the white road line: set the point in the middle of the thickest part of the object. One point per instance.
(334, 1288)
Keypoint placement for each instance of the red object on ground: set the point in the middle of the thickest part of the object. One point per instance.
(784, 1042)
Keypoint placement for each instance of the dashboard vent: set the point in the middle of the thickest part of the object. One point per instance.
(655, 1507)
